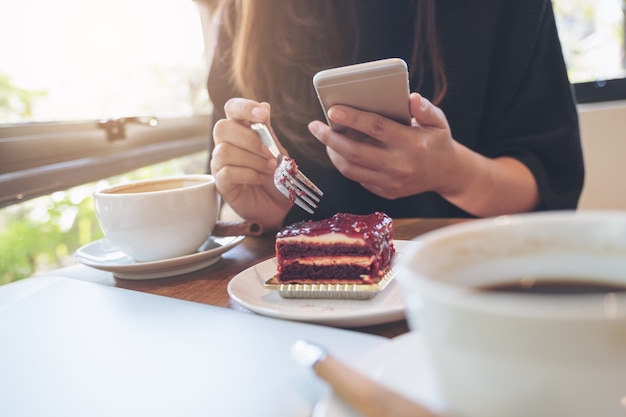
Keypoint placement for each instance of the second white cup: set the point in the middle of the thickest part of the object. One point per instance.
(524, 315)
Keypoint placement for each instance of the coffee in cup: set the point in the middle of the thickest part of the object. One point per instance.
(159, 218)
(523, 315)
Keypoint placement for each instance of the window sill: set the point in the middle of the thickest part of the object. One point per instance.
(600, 91)
(22, 185)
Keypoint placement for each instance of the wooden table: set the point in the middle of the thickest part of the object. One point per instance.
(209, 285)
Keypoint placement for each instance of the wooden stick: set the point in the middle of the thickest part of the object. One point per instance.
(237, 228)
(363, 394)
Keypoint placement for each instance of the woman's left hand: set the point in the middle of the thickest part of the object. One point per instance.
(400, 160)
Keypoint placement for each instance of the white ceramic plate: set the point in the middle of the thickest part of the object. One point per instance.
(400, 365)
(102, 254)
(247, 289)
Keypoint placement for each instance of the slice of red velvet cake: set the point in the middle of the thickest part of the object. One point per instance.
(345, 248)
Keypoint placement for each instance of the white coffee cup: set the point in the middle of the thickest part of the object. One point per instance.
(502, 354)
(159, 218)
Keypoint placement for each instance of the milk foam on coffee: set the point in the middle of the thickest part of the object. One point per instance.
(154, 185)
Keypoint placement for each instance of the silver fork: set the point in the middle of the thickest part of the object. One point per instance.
(287, 178)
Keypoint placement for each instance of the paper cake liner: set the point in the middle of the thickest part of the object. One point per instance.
(348, 290)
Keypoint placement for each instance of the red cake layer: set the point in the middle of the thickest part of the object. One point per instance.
(345, 248)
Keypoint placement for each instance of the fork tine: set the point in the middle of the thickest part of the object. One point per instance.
(304, 188)
(307, 200)
(292, 193)
(300, 195)
(295, 185)
(303, 205)
(310, 187)
(297, 196)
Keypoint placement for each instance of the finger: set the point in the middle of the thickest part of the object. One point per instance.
(231, 177)
(426, 113)
(358, 171)
(379, 183)
(372, 124)
(226, 154)
(234, 182)
(247, 110)
(226, 130)
(344, 150)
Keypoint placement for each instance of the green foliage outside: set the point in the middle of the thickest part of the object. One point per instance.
(45, 232)
(42, 234)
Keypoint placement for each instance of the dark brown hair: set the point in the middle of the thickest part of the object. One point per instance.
(276, 50)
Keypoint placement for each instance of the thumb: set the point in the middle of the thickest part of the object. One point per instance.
(426, 113)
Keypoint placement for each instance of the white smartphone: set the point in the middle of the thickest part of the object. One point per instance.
(380, 87)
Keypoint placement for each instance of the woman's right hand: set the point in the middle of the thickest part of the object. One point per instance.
(244, 168)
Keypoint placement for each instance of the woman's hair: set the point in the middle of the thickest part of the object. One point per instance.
(279, 45)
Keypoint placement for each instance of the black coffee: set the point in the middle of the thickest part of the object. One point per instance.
(555, 287)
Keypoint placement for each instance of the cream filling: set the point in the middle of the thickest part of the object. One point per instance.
(333, 260)
(329, 238)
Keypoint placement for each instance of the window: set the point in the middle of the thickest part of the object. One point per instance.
(91, 89)
(592, 35)
(94, 88)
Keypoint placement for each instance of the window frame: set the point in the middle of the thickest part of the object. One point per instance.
(600, 91)
(41, 158)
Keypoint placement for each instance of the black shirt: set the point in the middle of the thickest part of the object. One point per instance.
(508, 95)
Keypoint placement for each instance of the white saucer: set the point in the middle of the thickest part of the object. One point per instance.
(247, 289)
(102, 254)
(400, 365)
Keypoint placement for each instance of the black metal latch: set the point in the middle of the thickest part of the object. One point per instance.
(116, 127)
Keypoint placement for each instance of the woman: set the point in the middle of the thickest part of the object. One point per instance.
(495, 127)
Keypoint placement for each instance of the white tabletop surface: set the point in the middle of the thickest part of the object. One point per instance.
(72, 348)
